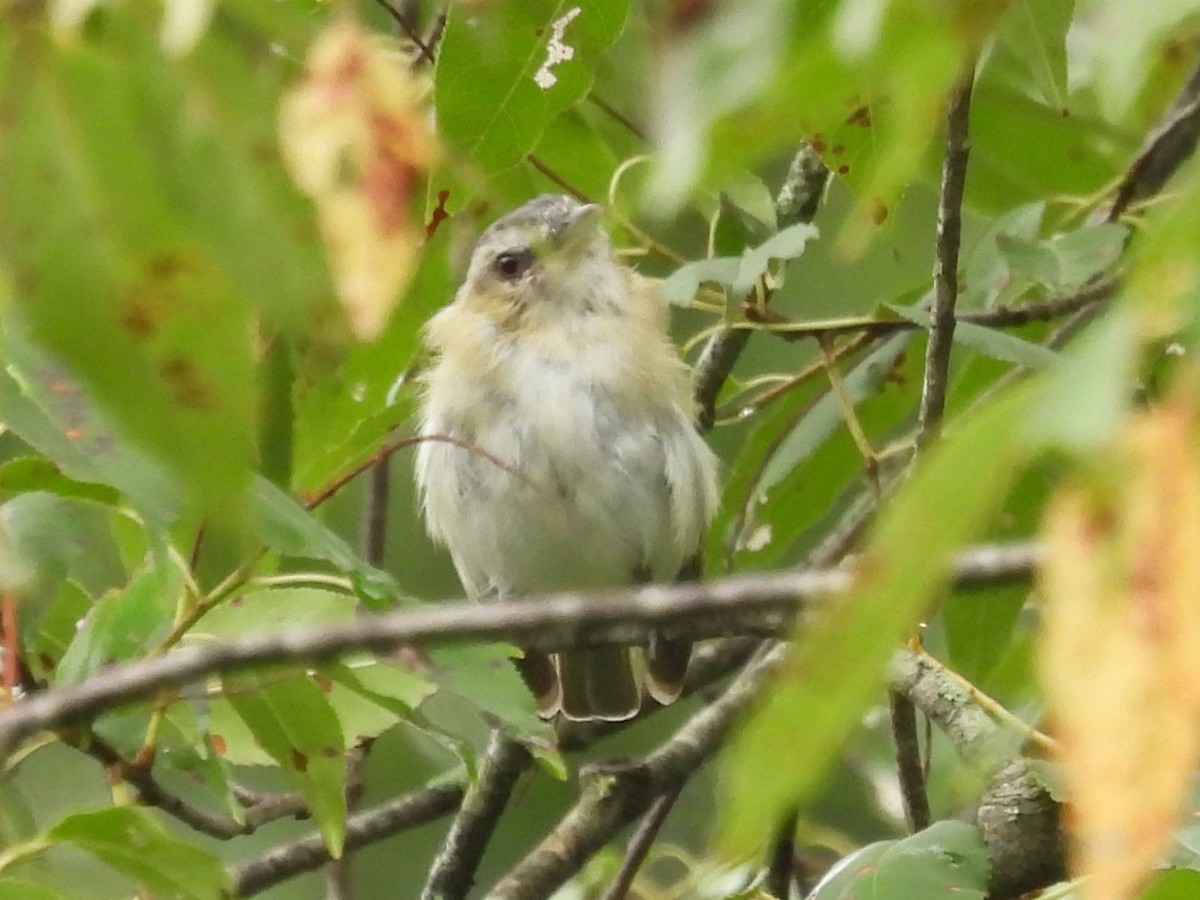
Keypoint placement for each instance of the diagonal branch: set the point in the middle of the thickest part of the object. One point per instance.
(762, 603)
(453, 872)
(612, 799)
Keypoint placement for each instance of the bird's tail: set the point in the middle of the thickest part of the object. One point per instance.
(599, 683)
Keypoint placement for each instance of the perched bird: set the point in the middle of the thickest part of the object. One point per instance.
(574, 462)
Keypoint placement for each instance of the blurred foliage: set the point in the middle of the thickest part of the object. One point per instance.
(183, 398)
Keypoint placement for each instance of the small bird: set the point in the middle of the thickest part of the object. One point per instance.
(560, 448)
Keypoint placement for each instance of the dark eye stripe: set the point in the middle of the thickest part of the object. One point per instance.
(512, 264)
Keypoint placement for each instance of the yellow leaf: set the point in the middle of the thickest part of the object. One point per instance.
(355, 137)
(1120, 650)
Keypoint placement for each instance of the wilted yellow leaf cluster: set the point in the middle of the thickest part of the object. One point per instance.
(1120, 656)
(355, 137)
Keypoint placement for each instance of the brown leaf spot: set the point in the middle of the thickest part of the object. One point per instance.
(818, 143)
(439, 215)
(879, 211)
(324, 682)
(299, 761)
(47, 661)
(838, 149)
(843, 169)
(75, 434)
(331, 752)
(186, 384)
(219, 744)
(861, 116)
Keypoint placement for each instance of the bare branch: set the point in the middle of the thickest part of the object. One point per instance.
(1166, 148)
(640, 844)
(309, 853)
(945, 275)
(762, 603)
(613, 798)
(453, 871)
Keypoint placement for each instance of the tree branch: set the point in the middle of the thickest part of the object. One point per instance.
(309, 853)
(763, 603)
(613, 798)
(640, 844)
(453, 871)
(1166, 148)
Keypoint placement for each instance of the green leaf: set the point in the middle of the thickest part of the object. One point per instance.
(500, 79)
(284, 525)
(484, 675)
(1087, 395)
(990, 342)
(1031, 43)
(53, 413)
(273, 610)
(290, 717)
(787, 244)
(370, 696)
(947, 858)
(1174, 884)
(837, 667)
(685, 281)
(105, 267)
(32, 473)
(17, 889)
(133, 843)
(1067, 260)
(122, 625)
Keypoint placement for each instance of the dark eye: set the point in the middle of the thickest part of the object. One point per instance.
(512, 264)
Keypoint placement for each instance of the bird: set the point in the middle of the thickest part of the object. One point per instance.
(558, 447)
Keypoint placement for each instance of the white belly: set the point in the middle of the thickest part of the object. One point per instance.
(575, 489)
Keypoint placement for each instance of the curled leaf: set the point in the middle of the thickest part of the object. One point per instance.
(1121, 648)
(355, 137)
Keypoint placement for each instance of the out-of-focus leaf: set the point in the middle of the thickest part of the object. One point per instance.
(1087, 395)
(1121, 646)
(1031, 43)
(122, 625)
(105, 268)
(355, 137)
(130, 841)
(988, 279)
(1065, 260)
(18, 889)
(504, 70)
(290, 717)
(52, 412)
(31, 473)
(58, 626)
(946, 858)
(837, 666)
(1174, 884)
(42, 539)
(1023, 151)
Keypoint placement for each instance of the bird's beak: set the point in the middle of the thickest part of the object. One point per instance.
(580, 225)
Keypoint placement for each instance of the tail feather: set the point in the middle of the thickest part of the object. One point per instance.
(666, 667)
(599, 683)
(541, 677)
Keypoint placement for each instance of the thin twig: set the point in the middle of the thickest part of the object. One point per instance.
(453, 871)
(934, 385)
(639, 845)
(762, 603)
(409, 32)
(617, 116)
(781, 867)
(945, 275)
(541, 166)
